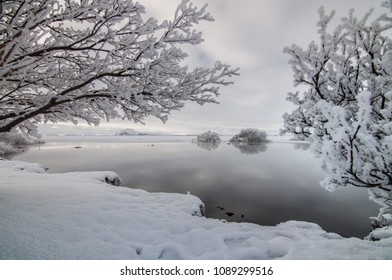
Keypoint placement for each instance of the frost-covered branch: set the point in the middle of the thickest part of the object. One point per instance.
(93, 59)
(346, 110)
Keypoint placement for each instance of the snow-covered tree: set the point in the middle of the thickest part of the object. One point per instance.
(346, 107)
(208, 137)
(65, 60)
(250, 136)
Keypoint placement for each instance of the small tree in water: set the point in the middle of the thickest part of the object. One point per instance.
(346, 110)
(208, 137)
(250, 136)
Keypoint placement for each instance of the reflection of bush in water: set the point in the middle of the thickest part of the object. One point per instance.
(250, 148)
(302, 146)
(209, 146)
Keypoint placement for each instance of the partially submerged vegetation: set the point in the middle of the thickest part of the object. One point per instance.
(208, 137)
(250, 136)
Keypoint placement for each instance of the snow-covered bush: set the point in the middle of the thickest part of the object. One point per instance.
(7, 149)
(208, 137)
(15, 138)
(346, 110)
(11, 142)
(250, 135)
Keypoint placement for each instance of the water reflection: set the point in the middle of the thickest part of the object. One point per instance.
(245, 148)
(278, 185)
(302, 146)
(250, 148)
(209, 146)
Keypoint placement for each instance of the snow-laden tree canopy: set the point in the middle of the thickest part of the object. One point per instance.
(346, 107)
(64, 60)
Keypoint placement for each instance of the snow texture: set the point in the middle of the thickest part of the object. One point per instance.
(79, 216)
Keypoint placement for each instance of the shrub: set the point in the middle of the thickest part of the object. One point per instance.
(208, 137)
(250, 135)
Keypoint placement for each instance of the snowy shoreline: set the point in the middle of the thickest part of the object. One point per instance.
(79, 216)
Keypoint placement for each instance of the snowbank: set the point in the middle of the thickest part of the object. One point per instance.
(80, 216)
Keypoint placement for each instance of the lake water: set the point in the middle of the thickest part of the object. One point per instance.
(265, 184)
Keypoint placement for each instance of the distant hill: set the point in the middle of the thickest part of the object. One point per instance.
(129, 132)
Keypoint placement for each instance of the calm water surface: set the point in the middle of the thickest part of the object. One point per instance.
(265, 184)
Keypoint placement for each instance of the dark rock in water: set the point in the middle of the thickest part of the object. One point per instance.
(229, 214)
(221, 208)
(77, 147)
(202, 210)
(113, 181)
(242, 216)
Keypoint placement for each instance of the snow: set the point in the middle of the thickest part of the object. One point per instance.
(381, 233)
(79, 216)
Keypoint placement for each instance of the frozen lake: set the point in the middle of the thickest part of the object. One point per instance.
(265, 184)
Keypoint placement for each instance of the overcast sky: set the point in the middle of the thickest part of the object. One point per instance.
(249, 34)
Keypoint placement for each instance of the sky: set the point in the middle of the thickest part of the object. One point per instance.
(251, 35)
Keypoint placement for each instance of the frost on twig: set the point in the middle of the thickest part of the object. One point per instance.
(93, 60)
(346, 108)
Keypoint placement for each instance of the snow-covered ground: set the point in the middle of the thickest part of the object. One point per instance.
(81, 216)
